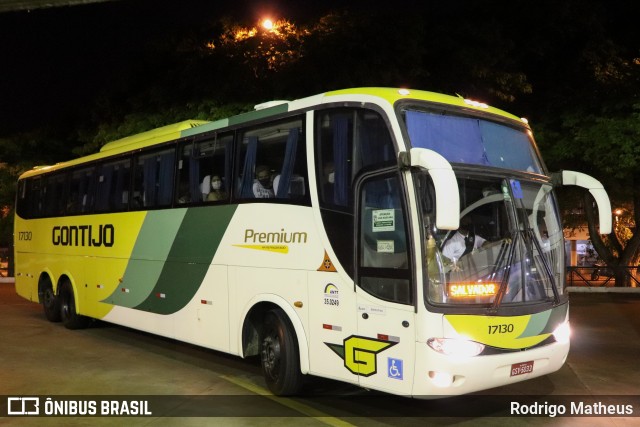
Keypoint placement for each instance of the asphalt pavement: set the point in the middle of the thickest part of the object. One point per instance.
(189, 385)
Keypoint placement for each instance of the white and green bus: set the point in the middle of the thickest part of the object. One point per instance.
(314, 234)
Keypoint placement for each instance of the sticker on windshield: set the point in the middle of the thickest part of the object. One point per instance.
(386, 246)
(516, 189)
(384, 220)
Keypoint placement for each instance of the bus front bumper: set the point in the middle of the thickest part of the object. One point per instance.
(440, 375)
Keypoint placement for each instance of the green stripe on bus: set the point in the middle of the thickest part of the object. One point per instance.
(189, 259)
(150, 251)
(545, 322)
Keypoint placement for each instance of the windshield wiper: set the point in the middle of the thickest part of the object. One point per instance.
(507, 251)
(545, 263)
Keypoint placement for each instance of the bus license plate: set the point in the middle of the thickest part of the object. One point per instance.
(521, 368)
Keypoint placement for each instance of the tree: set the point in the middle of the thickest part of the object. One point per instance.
(612, 145)
(583, 64)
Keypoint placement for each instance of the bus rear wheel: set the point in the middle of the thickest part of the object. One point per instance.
(70, 318)
(279, 354)
(50, 303)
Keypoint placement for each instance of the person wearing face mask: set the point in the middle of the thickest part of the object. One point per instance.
(216, 190)
(462, 242)
(262, 187)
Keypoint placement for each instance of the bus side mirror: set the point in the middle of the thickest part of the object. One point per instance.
(595, 188)
(444, 182)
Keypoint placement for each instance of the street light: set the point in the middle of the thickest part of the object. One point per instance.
(617, 213)
(267, 24)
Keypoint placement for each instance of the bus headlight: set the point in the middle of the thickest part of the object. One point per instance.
(458, 347)
(562, 334)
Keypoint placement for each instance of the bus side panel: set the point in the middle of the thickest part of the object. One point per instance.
(204, 321)
(28, 259)
(332, 320)
(285, 287)
(269, 248)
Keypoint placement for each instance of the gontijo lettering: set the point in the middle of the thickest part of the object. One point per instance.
(84, 235)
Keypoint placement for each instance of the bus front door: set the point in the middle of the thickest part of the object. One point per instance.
(383, 351)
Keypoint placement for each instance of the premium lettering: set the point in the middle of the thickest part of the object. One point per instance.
(252, 236)
(84, 235)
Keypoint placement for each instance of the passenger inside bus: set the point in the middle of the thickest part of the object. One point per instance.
(205, 187)
(462, 241)
(262, 186)
(217, 193)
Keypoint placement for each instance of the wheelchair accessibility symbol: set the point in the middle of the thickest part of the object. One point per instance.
(394, 368)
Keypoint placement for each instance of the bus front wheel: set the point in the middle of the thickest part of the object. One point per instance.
(70, 318)
(279, 354)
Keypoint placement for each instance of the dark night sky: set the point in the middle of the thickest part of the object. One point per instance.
(56, 60)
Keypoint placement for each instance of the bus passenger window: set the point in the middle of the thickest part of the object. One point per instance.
(350, 140)
(204, 171)
(81, 191)
(153, 182)
(53, 193)
(347, 140)
(29, 200)
(112, 187)
(273, 163)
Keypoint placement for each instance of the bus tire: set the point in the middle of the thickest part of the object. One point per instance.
(50, 303)
(70, 318)
(279, 355)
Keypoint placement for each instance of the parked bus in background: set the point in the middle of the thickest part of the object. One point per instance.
(314, 234)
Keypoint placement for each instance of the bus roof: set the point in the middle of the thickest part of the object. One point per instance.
(194, 127)
(364, 94)
(161, 134)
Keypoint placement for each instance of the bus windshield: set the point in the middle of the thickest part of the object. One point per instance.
(472, 140)
(508, 249)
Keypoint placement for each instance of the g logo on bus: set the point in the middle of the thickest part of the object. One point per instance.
(360, 353)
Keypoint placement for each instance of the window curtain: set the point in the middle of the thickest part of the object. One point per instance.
(121, 193)
(249, 167)
(165, 178)
(340, 129)
(228, 149)
(508, 148)
(458, 139)
(375, 145)
(195, 194)
(149, 171)
(89, 194)
(288, 164)
(104, 188)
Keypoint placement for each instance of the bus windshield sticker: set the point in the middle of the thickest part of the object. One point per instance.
(383, 220)
(386, 246)
(517, 190)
